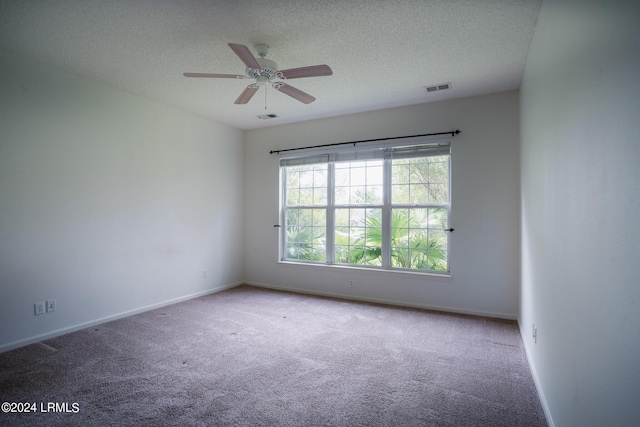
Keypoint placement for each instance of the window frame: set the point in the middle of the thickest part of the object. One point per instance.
(368, 152)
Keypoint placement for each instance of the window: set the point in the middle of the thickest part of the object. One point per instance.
(383, 206)
(306, 212)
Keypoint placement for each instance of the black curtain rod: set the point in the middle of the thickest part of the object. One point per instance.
(452, 133)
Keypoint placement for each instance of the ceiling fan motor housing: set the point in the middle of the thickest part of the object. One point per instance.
(267, 72)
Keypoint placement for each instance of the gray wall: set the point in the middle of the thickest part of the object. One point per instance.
(485, 208)
(109, 203)
(580, 155)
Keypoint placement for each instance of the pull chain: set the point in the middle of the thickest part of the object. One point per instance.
(266, 87)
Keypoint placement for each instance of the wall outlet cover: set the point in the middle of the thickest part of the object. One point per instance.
(39, 308)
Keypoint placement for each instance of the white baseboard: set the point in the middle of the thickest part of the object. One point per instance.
(506, 316)
(536, 379)
(74, 328)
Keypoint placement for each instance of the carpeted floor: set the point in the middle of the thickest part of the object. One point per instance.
(255, 357)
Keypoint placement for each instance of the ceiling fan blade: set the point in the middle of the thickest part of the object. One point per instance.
(246, 94)
(312, 71)
(294, 93)
(245, 55)
(216, 76)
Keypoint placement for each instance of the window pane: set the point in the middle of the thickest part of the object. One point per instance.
(438, 237)
(439, 169)
(358, 237)
(341, 195)
(400, 173)
(400, 194)
(400, 228)
(358, 174)
(293, 178)
(306, 177)
(420, 180)
(320, 176)
(419, 194)
(399, 257)
(341, 217)
(418, 239)
(306, 185)
(374, 195)
(438, 193)
(358, 183)
(357, 195)
(320, 196)
(306, 196)
(306, 234)
(374, 173)
(342, 177)
(293, 196)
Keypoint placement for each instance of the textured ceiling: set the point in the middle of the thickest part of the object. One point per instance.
(382, 52)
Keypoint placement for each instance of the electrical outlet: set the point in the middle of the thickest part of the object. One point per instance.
(39, 308)
(205, 274)
(51, 305)
(535, 334)
(351, 283)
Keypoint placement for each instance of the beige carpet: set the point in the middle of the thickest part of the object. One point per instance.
(256, 357)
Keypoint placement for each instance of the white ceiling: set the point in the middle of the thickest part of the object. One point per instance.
(382, 52)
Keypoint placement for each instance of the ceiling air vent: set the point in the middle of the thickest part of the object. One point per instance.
(436, 88)
(266, 116)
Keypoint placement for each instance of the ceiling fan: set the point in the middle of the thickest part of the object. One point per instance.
(266, 71)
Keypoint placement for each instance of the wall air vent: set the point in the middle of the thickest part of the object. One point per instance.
(436, 88)
(266, 116)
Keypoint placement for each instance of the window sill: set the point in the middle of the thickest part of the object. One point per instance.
(445, 277)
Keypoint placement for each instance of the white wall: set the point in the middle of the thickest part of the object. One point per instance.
(108, 203)
(485, 194)
(580, 153)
